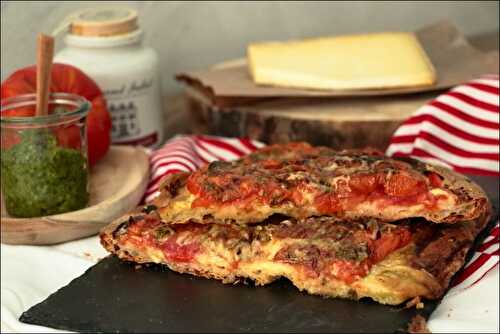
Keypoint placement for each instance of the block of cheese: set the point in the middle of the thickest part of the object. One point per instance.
(368, 61)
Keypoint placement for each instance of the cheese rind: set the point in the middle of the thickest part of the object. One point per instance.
(370, 61)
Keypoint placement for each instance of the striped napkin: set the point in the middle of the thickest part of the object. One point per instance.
(459, 129)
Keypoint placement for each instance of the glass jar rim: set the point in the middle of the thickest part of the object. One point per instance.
(82, 108)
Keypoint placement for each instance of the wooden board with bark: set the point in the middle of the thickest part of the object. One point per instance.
(338, 123)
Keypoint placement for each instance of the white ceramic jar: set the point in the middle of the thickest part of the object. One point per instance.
(106, 44)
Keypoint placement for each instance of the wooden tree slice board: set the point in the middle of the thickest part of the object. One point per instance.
(117, 184)
(352, 122)
(335, 122)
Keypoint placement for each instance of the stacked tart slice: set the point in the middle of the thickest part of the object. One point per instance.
(348, 224)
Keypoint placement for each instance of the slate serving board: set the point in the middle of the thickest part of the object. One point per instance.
(113, 296)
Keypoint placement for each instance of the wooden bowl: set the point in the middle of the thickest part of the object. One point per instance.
(117, 184)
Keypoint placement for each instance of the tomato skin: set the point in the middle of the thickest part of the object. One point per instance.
(405, 184)
(67, 79)
(349, 271)
(365, 183)
(328, 203)
(271, 164)
(179, 253)
(388, 243)
(435, 180)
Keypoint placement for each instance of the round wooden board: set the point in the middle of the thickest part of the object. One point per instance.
(117, 184)
(338, 123)
(348, 122)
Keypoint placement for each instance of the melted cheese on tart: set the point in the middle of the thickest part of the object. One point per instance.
(320, 255)
(315, 181)
(391, 281)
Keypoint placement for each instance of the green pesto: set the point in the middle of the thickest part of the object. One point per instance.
(40, 178)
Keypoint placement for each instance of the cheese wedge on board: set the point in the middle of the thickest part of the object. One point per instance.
(368, 61)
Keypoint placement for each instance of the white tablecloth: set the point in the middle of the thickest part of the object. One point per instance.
(29, 274)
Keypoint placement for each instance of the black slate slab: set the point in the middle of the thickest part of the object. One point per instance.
(113, 296)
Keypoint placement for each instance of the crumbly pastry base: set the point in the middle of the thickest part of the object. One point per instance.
(423, 268)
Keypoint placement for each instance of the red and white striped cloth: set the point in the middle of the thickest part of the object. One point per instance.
(459, 129)
(188, 153)
(483, 261)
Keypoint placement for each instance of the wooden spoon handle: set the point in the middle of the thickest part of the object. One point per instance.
(45, 54)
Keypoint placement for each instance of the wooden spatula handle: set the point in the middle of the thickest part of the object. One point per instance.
(45, 54)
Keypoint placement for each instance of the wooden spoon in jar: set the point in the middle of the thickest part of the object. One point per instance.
(45, 54)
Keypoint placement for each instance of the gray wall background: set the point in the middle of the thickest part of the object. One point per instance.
(193, 35)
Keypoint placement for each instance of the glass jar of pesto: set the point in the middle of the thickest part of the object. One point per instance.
(44, 158)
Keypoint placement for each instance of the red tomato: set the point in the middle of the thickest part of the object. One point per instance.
(67, 79)
(390, 242)
(349, 271)
(328, 203)
(435, 180)
(365, 183)
(405, 184)
(271, 164)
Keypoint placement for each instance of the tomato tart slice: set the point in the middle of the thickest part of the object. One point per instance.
(300, 181)
(387, 262)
